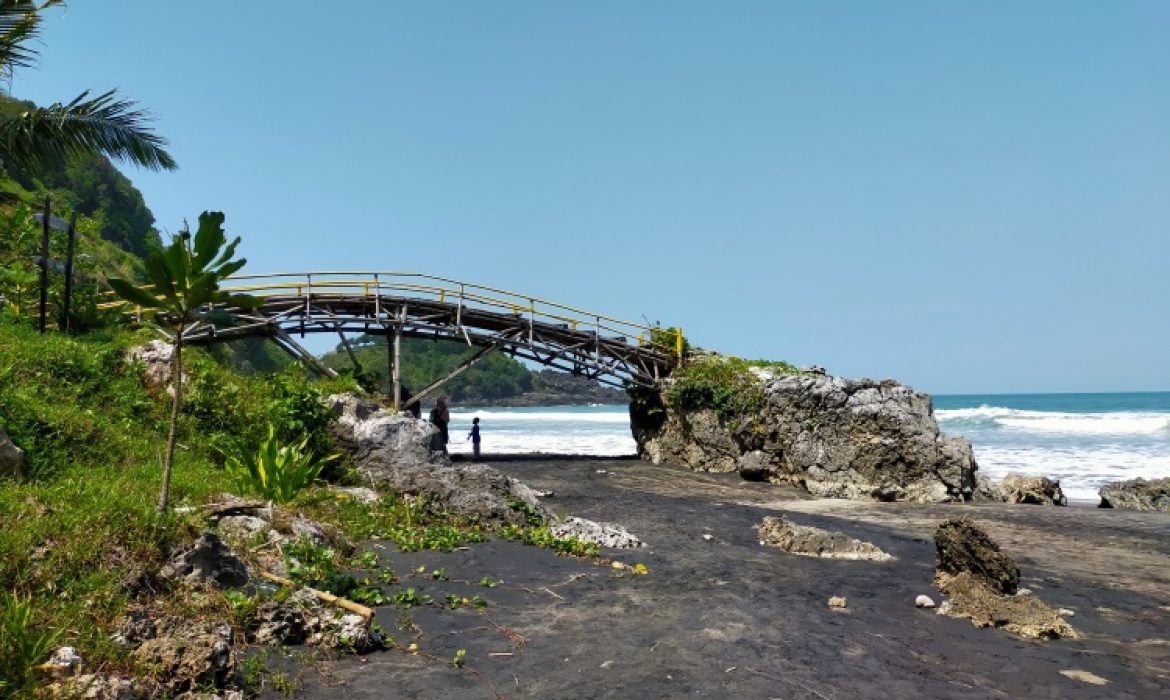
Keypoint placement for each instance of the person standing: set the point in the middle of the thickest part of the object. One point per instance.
(441, 416)
(474, 435)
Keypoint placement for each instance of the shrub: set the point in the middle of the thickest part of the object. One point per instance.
(276, 471)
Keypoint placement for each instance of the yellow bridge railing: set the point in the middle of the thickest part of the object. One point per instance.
(461, 295)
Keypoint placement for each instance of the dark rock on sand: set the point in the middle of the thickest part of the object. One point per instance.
(835, 437)
(1137, 494)
(208, 562)
(1038, 490)
(11, 456)
(1023, 614)
(962, 547)
(815, 542)
(982, 582)
(393, 451)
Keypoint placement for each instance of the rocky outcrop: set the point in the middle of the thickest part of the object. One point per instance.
(815, 542)
(601, 534)
(859, 439)
(963, 547)
(157, 359)
(301, 619)
(1038, 490)
(983, 583)
(207, 562)
(11, 457)
(1137, 494)
(183, 655)
(393, 451)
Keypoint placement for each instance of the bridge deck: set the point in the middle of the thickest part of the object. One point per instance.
(594, 345)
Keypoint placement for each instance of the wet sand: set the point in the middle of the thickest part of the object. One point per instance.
(729, 618)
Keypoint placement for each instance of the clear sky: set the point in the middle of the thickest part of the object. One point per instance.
(969, 197)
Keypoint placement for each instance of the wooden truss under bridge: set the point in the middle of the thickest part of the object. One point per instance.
(398, 304)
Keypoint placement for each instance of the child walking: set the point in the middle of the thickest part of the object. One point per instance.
(474, 435)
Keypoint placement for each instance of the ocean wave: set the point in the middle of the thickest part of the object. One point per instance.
(1081, 471)
(622, 417)
(1119, 423)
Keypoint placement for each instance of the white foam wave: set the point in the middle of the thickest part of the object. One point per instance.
(602, 445)
(544, 416)
(1120, 423)
(1080, 470)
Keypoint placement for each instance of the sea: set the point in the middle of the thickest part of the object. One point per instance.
(1083, 440)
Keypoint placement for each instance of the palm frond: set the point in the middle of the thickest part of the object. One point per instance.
(19, 26)
(106, 124)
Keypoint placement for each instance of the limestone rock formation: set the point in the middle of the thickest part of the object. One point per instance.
(982, 583)
(157, 360)
(1037, 490)
(393, 451)
(815, 542)
(208, 562)
(963, 547)
(835, 437)
(190, 655)
(601, 534)
(11, 456)
(302, 619)
(1137, 494)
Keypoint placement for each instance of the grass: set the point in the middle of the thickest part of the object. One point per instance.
(81, 533)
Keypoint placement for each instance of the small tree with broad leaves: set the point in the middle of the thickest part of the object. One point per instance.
(184, 277)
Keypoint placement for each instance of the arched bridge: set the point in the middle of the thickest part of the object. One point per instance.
(401, 304)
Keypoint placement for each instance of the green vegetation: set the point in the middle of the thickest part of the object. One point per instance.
(183, 278)
(423, 361)
(276, 471)
(23, 644)
(43, 137)
(731, 386)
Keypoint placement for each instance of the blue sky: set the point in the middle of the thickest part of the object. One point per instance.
(969, 197)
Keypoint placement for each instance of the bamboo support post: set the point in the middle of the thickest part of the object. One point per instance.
(45, 265)
(69, 271)
(340, 602)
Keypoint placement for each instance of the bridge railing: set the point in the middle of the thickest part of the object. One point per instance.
(462, 295)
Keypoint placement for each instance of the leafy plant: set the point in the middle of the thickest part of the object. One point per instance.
(22, 644)
(308, 563)
(183, 279)
(410, 598)
(460, 658)
(276, 471)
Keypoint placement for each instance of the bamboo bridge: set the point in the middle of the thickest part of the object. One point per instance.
(405, 304)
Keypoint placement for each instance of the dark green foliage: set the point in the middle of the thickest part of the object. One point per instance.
(726, 385)
(424, 361)
(37, 138)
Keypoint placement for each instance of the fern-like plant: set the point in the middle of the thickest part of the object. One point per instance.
(276, 471)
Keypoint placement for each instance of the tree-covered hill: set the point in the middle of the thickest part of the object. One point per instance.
(92, 184)
(496, 380)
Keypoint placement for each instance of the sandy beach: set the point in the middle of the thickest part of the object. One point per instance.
(718, 615)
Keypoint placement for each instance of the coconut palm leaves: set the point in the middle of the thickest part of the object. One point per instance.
(46, 136)
(183, 278)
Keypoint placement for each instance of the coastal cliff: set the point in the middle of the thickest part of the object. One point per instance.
(834, 437)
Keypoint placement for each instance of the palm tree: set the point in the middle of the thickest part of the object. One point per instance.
(182, 280)
(44, 136)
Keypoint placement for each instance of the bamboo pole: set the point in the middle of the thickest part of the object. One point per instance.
(345, 603)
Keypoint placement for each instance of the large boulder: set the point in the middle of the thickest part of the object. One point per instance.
(835, 437)
(157, 359)
(1037, 490)
(392, 451)
(11, 457)
(601, 534)
(189, 655)
(963, 547)
(1137, 494)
